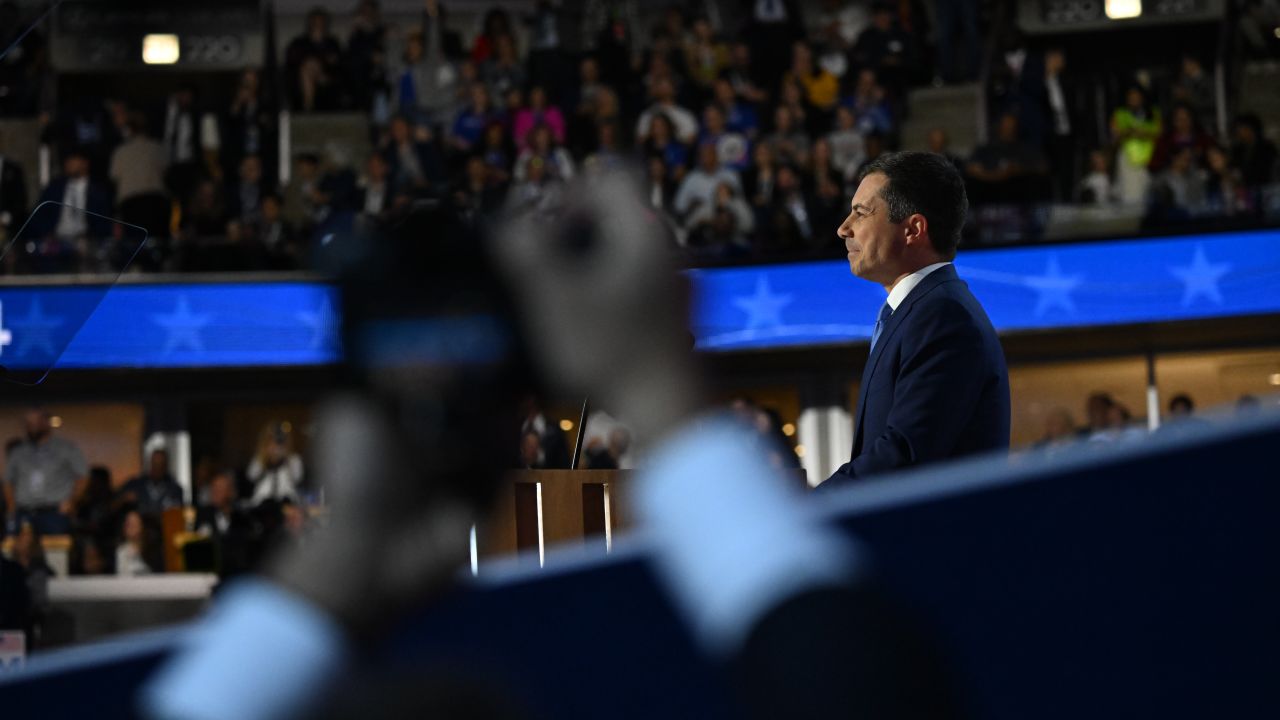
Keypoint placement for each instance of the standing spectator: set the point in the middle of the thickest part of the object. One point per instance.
(538, 113)
(1251, 152)
(546, 57)
(134, 553)
(721, 228)
(498, 153)
(313, 66)
(244, 194)
(704, 55)
(1096, 187)
(1052, 105)
(847, 148)
(553, 452)
(470, 122)
(191, 136)
(497, 24)
(1183, 133)
(789, 142)
(772, 27)
(582, 119)
(760, 179)
(503, 72)
(45, 477)
(733, 149)
(698, 190)
(137, 169)
(1134, 129)
(276, 471)
(230, 529)
(791, 216)
(682, 120)
(1007, 169)
(425, 80)
(958, 42)
(366, 56)
(886, 49)
(661, 142)
(155, 491)
(1194, 88)
(249, 127)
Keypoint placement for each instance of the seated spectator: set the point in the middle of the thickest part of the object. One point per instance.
(682, 120)
(939, 143)
(582, 119)
(870, 108)
(733, 149)
(375, 190)
(1134, 129)
(64, 232)
(231, 530)
(244, 193)
(885, 48)
(739, 116)
(1096, 187)
(192, 138)
(614, 453)
(661, 142)
(847, 148)
(1183, 132)
(531, 457)
(698, 189)
(876, 146)
(28, 552)
(1184, 180)
(1251, 152)
(92, 555)
(740, 76)
(788, 141)
(705, 57)
(1007, 169)
(278, 241)
(608, 153)
(1059, 430)
(503, 72)
(498, 154)
(476, 196)
(95, 514)
(248, 123)
(412, 158)
(539, 192)
(1225, 192)
(313, 65)
(554, 453)
(137, 169)
(720, 229)
(821, 88)
(1097, 412)
(154, 491)
(805, 117)
(791, 217)
(826, 187)
(276, 471)
(135, 552)
(542, 145)
(471, 121)
(301, 211)
(538, 113)
(660, 187)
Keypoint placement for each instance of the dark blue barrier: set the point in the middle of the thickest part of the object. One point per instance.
(1135, 581)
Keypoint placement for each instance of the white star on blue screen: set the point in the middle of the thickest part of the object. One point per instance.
(764, 308)
(1053, 289)
(182, 327)
(323, 324)
(35, 331)
(1201, 278)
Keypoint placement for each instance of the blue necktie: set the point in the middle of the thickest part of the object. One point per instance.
(881, 319)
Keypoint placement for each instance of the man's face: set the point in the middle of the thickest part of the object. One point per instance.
(875, 244)
(36, 424)
(221, 491)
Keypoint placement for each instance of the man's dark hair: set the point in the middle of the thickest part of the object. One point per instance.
(925, 183)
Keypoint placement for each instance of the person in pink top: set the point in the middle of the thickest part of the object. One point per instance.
(538, 113)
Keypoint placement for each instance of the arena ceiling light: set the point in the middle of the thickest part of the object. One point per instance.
(160, 49)
(1123, 9)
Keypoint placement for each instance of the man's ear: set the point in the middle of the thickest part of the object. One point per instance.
(916, 230)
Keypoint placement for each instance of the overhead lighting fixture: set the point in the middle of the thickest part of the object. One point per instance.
(566, 425)
(160, 49)
(789, 429)
(1274, 379)
(56, 421)
(1123, 9)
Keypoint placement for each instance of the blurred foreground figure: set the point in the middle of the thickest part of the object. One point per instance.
(781, 601)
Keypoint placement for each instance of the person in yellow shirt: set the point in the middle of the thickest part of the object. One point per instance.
(1135, 126)
(821, 88)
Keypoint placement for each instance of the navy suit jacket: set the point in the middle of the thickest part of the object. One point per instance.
(935, 387)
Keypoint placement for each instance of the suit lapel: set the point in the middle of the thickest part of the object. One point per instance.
(899, 316)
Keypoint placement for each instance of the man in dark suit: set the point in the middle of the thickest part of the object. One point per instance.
(936, 386)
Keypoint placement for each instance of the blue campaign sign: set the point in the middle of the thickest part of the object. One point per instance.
(172, 326)
(1025, 288)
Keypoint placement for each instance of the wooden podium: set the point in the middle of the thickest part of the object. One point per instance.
(538, 509)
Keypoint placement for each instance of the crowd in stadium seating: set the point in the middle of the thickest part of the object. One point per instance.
(751, 134)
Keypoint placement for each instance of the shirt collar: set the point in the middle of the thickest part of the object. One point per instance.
(909, 283)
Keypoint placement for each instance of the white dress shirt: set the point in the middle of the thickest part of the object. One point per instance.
(909, 283)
